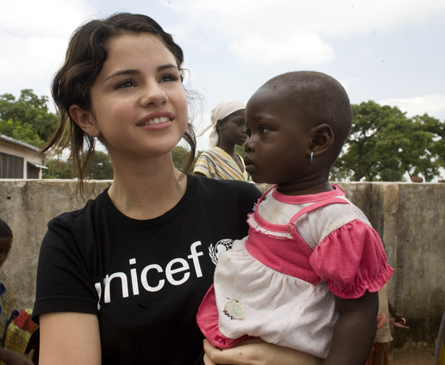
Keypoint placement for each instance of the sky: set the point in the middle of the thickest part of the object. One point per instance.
(388, 51)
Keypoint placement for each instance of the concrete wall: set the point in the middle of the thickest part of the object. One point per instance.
(410, 218)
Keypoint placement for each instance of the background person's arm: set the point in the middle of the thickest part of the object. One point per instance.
(11, 357)
(70, 339)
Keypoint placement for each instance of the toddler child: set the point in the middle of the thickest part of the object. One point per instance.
(307, 275)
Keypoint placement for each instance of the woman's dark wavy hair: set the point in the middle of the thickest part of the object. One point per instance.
(85, 56)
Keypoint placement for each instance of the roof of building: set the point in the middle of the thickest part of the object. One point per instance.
(20, 143)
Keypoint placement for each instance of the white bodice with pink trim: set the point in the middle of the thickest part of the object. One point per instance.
(279, 282)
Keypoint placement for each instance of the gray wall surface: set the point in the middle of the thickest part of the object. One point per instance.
(410, 218)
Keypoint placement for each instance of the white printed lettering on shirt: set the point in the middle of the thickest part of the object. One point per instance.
(169, 275)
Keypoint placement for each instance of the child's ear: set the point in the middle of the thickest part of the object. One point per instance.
(84, 120)
(322, 138)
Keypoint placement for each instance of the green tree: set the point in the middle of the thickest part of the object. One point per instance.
(58, 169)
(101, 168)
(383, 145)
(180, 157)
(27, 118)
(436, 129)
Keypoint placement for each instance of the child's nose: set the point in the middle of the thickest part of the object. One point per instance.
(248, 145)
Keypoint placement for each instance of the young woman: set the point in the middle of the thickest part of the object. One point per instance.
(120, 281)
(228, 129)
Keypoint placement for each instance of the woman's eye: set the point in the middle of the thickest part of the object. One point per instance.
(169, 77)
(126, 83)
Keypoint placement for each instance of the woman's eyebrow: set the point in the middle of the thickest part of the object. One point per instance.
(137, 72)
(123, 72)
(167, 66)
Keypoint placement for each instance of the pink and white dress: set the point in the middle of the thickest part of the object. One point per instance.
(279, 282)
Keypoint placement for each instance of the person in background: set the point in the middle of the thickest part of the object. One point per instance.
(228, 125)
(380, 350)
(8, 303)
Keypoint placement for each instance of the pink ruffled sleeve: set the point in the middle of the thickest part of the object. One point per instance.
(352, 260)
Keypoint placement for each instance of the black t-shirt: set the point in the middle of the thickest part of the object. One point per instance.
(144, 279)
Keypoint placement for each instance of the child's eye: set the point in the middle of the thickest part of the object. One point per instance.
(249, 133)
(125, 83)
(263, 129)
(169, 77)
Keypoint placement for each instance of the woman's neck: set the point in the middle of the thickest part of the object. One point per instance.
(146, 190)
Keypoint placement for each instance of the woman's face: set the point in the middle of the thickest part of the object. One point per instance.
(138, 103)
(234, 128)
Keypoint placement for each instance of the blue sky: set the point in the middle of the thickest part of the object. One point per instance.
(389, 51)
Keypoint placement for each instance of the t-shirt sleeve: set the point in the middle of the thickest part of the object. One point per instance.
(352, 260)
(63, 281)
(204, 166)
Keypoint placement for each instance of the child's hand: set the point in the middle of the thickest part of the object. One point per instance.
(257, 352)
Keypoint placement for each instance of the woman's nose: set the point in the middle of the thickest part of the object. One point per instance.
(154, 94)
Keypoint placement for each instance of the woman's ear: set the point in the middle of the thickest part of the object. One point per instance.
(84, 120)
(219, 125)
(322, 138)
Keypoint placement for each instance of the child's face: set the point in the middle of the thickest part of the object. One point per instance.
(5, 247)
(139, 106)
(277, 149)
(234, 128)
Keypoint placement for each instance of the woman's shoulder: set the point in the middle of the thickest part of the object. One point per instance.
(86, 213)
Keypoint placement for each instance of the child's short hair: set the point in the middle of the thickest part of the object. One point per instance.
(320, 98)
(5, 231)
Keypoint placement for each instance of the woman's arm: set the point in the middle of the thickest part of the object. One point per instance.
(70, 339)
(257, 352)
(354, 331)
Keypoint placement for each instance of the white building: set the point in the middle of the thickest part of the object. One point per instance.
(19, 160)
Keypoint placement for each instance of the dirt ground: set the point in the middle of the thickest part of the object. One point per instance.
(421, 356)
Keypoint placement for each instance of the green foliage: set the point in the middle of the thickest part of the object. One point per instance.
(101, 168)
(180, 157)
(384, 144)
(58, 169)
(27, 118)
(20, 132)
(240, 150)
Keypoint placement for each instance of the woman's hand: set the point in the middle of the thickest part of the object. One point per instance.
(255, 351)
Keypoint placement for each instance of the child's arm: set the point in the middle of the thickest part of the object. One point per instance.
(354, 331)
